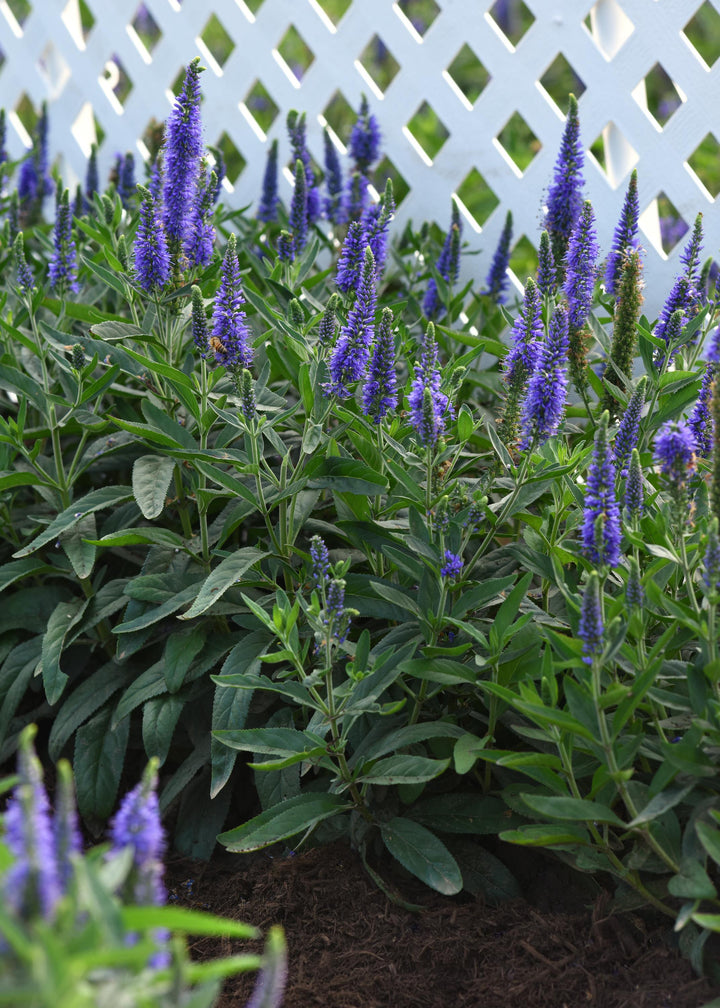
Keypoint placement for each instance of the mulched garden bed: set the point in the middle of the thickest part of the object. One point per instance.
(351, 947)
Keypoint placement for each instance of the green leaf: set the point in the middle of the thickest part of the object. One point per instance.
(16, 570)
(144, 535)
(228, 572)
(462, 813)
(157, 613)
(295, 815)
(110, 331)
(96, 500)
(79, 551)
(710, 839)
(63, 619)
(151, 475)
(481, 595)
(467, 752)
(272, 741)
(577, 809)
(160, 716)
(403, 769)
(345, 475)
(185, 921)
(691, 882)
(542, 835)
(82, 703)
(181, 649)
(423, 854)
(98, 763)
(660, 804)
(484, 874)
(150, 684)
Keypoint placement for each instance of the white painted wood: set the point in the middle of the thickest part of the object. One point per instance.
(611, 44)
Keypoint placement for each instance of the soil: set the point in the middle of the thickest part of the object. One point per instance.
(349, 946)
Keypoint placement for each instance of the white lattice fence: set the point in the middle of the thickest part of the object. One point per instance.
(94, 69)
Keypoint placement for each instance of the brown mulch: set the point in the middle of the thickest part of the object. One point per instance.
(349, 946)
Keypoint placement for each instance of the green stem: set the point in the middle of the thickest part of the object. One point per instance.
(507, 507)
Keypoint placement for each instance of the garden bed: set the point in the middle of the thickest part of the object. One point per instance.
(349, 946)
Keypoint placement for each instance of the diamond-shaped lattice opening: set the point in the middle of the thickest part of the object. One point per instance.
(340, 116)
(115, 82)
(234, 161)
(53, 69)
(260, 106)
(624, 156)
(467, 76)
(518, 141)
(663, 224)
(27, 116)
(703, 33)
(19, 10)
(146, 28)
(417, 15)
(524, 259)
(152, 138)
(387, 170)
(427, 130)
(659, 95)
(333, 9)
(295, 54)
(251, 6)
(377, 65)
(512, 18)
(217, 43)
(560, 80)
(609, 26)
(705, 163)
(476, 196)
(79, 21)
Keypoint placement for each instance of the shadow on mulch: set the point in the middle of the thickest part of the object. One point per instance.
(350, 947)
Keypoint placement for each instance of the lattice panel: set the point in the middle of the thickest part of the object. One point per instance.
(450, 87)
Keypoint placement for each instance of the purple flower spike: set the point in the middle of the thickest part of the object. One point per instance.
(547, 389)
(447, 265)
(376, 222)
(299, 212)
(25, 279)
(452, 568)
(527, 334)
(380, 392)
(320, 560)
(625, 237)
(679, 302)
(350, 262)
(700, 421)
(547, 272)
(564, 200)
(601, 519)
(268, 208)
(334, 204)
(676, 452)
(201, 234)
(62, 271)
(199, 326)
(152, 259)
(581, 267)
(429, 406)
(31, 884)
(629, 427)
(634, 492)
(298, 142)
(350, 357)
(230, 337)
(591, 630)
(126, 181)
(497, 281)
(181, 155)
(690, 258)
(364, 145)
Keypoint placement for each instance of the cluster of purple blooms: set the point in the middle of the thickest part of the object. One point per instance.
(335, 616)
(43, 844)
